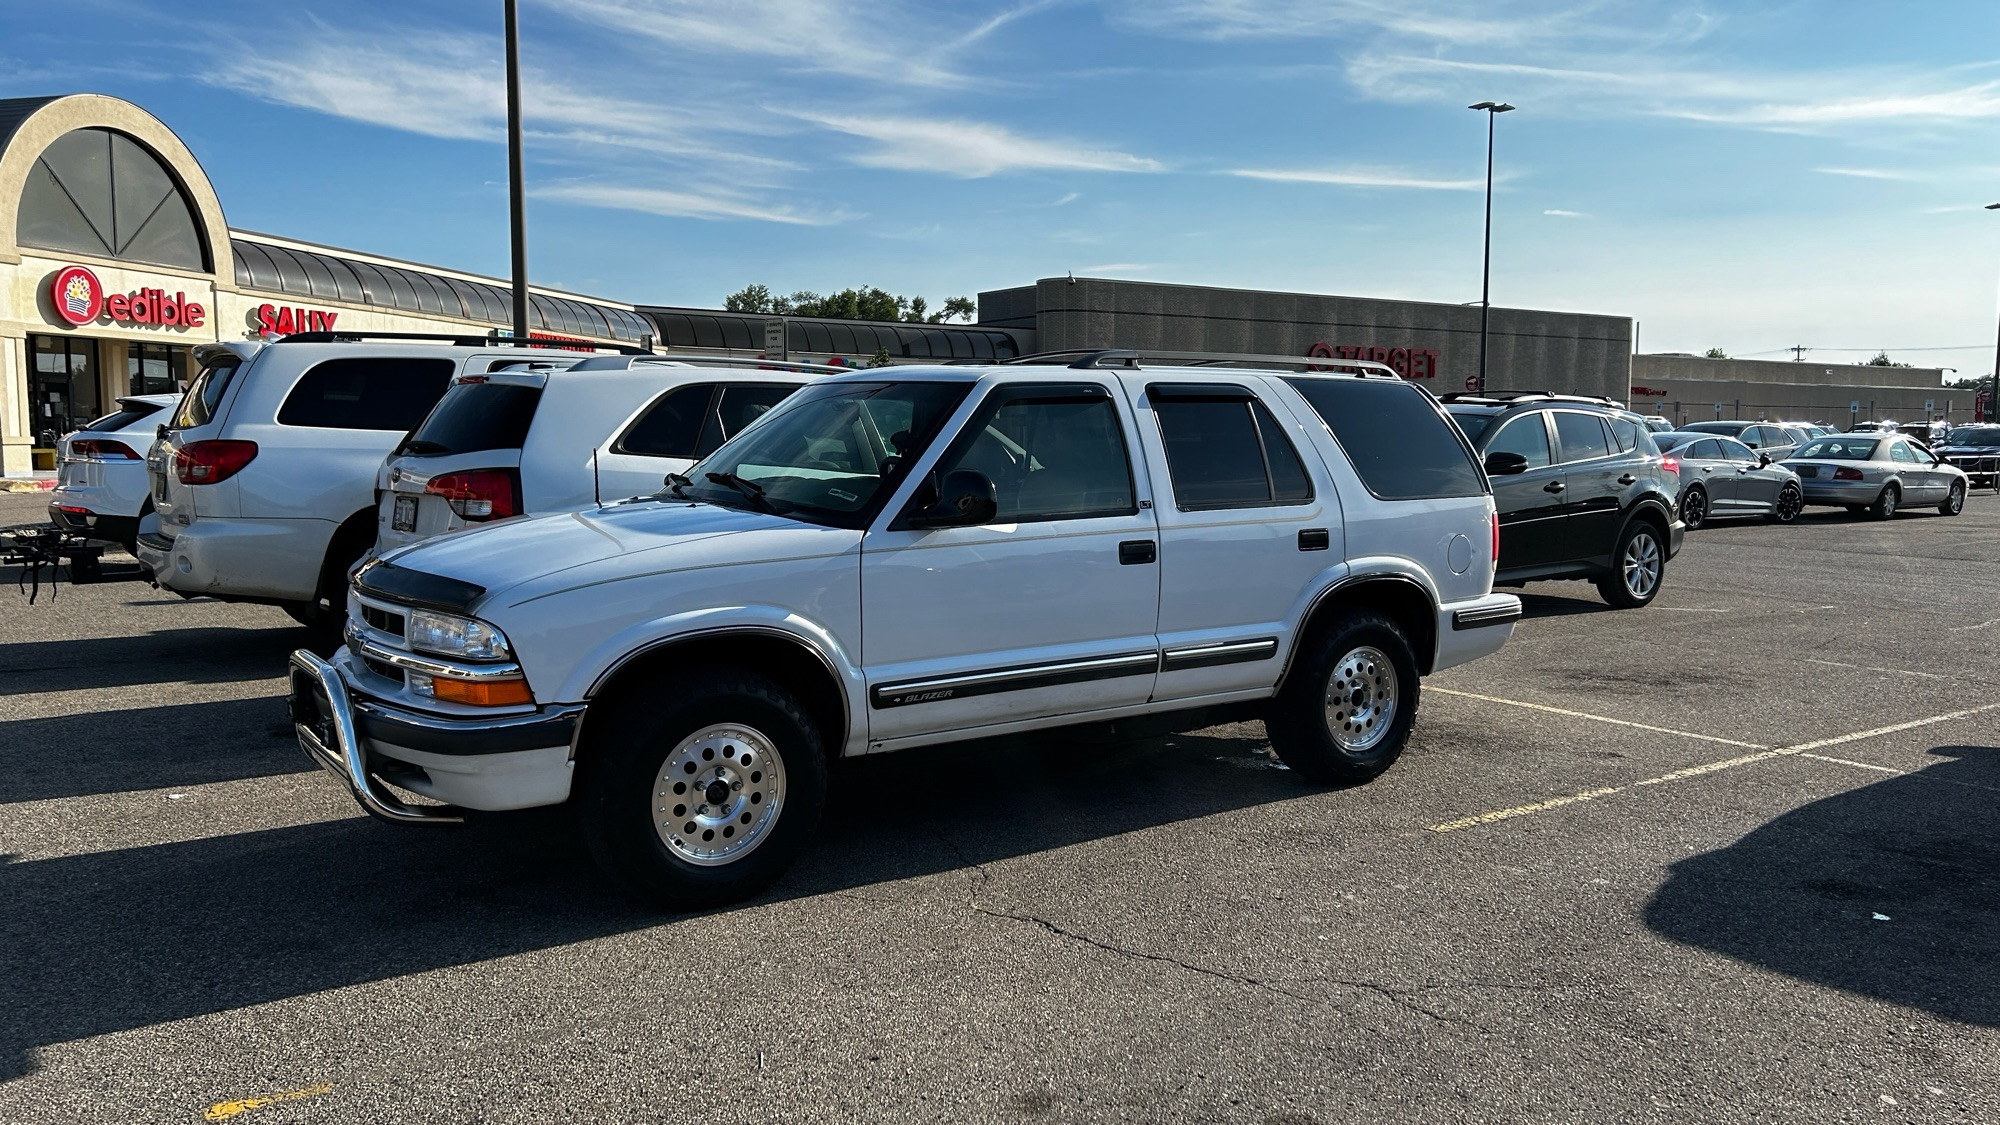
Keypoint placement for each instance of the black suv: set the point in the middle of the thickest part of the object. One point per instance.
(1582, 490)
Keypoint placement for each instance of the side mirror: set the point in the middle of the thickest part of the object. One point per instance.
(1763, 459)
(966, 498)
(1503, 464)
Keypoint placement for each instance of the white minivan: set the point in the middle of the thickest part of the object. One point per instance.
(540, 439)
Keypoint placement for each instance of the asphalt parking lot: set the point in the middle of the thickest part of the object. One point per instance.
(1729, 858)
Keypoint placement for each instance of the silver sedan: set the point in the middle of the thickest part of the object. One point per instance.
(1721, 476)
(1877, 473)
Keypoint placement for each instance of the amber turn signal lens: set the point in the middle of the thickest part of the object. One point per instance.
(485, 693)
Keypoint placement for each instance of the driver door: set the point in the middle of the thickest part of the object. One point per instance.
(1049, 607)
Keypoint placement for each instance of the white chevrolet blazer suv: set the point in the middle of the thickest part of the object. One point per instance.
(913, 556)
(263, 477)
(530, 441)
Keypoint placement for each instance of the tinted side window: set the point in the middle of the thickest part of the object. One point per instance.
(739, 406)
(203, 395)
(1528, 436)
(1228, 453)
(1398, 443)
(1581, 436)
(1707, 449)
(472, 417)
(1049, 458)
(366, 393)
(1626, 433)
(670, 427)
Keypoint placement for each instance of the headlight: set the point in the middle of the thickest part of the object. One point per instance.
(446, 634)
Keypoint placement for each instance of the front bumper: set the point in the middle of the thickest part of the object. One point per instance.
(468, 762)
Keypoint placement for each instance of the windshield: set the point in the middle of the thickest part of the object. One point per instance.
(1840, 449)
(203, 395)
(1473, 421)
(1987, 436)
(827, 454)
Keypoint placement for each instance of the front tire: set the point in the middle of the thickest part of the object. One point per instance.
(1346, 711)
(1954, 501)
(1884, 507)
(704, 796)
(1639, 566)
(1694, 508)
(1790, 503)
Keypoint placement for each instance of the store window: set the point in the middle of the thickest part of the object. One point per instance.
(155, 369)
(64, 388)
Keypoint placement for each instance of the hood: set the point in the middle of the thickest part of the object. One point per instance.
(649, 535)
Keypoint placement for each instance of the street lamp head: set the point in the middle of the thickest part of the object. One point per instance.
(1993, 206)
(1492, 107)
(1483, 105)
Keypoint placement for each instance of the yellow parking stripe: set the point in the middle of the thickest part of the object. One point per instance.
(1594, 718)
(223, 1111)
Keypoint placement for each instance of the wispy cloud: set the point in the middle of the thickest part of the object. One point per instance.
(1360, 177)
(1068, 198)
(1865, 173)
(1562, 214)
(972, 149)
(678, 204)
(1978, 101)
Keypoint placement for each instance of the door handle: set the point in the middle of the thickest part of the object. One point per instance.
(1628, 478)
(1135, 551)
(1708, 468)
(1553, 486)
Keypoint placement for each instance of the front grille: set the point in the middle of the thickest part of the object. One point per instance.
(383, 668)
(384, 620)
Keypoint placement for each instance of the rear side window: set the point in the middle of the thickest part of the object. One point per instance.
(474, 417)
(737, 408)
(1228, 453)
(1581, 436)
(204, 395)
(1707, 449)
(1398, 443)
(1626, 433)
(671, 427)
(367, 393)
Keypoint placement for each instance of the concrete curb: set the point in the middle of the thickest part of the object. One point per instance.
(16, 484)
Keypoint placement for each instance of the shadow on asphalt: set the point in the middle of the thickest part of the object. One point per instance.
(207, 655)
(147, 748)
(117, 940)
(1800, 895)
(1552, 605)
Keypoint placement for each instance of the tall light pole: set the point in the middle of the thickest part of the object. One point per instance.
(517, 220)
(1493, 109)
(1993, 402)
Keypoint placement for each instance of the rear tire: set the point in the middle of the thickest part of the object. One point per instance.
(1884, 507)
(1638, 567)
(666, 782)
(1954, 501)
(1347, 709)
(1694, 508)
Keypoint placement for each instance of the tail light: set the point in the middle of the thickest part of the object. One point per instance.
(1846, 473)
(1496, 539)
(1671, 464)
(211, 462)
(102, 447)
(480, 494)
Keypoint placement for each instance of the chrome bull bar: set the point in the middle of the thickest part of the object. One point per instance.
(346, 758)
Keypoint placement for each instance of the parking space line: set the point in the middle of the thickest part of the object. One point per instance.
(1804, 749)
(1595, 718)
(223, 1111)
(1871, 668)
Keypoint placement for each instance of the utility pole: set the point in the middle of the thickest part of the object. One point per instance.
(1993, 400)
(1798, 353)
(1493, 110)
(517, 219)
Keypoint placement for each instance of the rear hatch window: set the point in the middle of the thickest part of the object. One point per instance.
(1398, 442)
(129, 412)
(475, 417)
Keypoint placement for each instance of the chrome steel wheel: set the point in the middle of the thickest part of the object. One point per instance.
(1954, 502)
(718, 794)
(1361, 696)
(1640, 568)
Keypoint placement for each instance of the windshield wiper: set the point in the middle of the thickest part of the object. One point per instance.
(420, 447)
(751, 490)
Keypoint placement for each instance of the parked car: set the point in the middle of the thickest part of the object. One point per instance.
(100, 488)
(1657, 424)
(915, 556)
(1975, 449)
(1721, 476)
(1582, 491)
(263, 478)
(541, 439)
(1764, 437)
(1873, 428)
(1877, 473)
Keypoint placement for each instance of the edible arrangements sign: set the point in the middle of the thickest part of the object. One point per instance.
(78, 298)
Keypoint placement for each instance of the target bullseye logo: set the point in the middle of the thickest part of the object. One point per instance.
(77, 295)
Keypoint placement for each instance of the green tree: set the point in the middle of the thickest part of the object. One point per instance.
(866, 303)
(1717, 353)
(1882, 360)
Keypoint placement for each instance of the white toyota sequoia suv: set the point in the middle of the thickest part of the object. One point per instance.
(914, 556)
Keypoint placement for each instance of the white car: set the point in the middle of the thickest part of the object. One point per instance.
(533, 440)
(101, 488)
(922, 555)
(263, 482)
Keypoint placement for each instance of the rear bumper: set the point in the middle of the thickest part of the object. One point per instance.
(1471, 629)
(93, 525)
(488, 764)
(1822, 491)
(264, 559)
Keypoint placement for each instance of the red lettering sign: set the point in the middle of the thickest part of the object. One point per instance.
(78, 297)
(1410, 363)
(275, 321)
(1639, 390)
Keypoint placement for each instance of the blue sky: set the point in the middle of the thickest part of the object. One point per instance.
(1748, 175)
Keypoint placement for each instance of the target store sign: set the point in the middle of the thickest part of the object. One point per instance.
(78, 298)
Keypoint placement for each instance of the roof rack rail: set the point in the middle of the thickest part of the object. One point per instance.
(1086, 358)
(1517, 396)
(490, 340)
(752, 361)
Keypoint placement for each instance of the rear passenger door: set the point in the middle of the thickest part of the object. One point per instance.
(679, 427)
(1244, 529)
(1597, 477)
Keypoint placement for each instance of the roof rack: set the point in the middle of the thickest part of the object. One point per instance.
(490, 340)
(752, 361)
(1500, 397)
(1084, 359)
